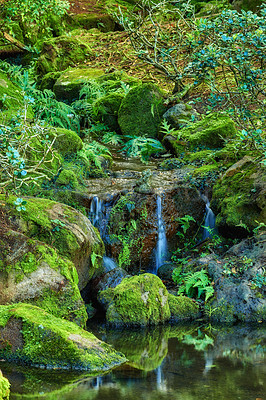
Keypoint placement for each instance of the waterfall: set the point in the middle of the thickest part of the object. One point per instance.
(209, 222)
(95, 211)
(108, 263)
(161, 248)
(99, 214)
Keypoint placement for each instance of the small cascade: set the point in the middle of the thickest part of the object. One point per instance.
(95, 211)
(99, 214)
(209, 222)
(108, 263)
(161, 248)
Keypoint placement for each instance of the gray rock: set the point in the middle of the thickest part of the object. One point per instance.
(179, 115)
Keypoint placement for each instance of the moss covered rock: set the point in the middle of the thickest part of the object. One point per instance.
(31, 335)
(180, 115)
(62, 52)
(69, 83)
(107, 108)
(141, 111)
(210, 132)
(4, 387)
(139, 300)
(103, 22)
(61, 226)
(239, 198)
(67, 178)
(182, 308)
(33, 272)
(67, 142)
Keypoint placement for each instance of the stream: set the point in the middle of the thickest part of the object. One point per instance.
(166, 362)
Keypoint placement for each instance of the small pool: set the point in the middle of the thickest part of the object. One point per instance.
(167, 362)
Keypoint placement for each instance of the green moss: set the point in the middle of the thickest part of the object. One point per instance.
(210, 132)
(238, 196)
(63, 299)
(106, 108)
(65, 303)
(62, 52)
(200, 156)
(56, 343)
(49, 79)
(103, 22)
(67, 178)
(36, 153)
(139, 300)
(205, 170)
(67, 142)
(36, 222)
(71, 81)
(141, 111)
(105, 297)
(182, 308)
(4, 387)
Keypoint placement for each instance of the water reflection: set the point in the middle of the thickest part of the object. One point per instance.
(179, 363)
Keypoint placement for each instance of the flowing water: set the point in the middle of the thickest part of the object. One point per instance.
(164, 363)
(161, 248)
(209, 221)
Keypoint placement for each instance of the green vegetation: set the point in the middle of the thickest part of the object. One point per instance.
(55, 343)
(4, 387)
(75, 98)
(194, 284)
(139, 300)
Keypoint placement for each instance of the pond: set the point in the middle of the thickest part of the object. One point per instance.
(166, 362)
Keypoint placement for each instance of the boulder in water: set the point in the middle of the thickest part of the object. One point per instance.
(139, 300)
(182, 308)
(32, 336)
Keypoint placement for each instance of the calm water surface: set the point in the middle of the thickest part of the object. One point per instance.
(165, 363)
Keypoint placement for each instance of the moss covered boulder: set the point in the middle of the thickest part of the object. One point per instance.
(141, 111)
(67, 142)
(33, 272)
(182, 308)
(239, 198)
(107, 108)
(61, 226)
(4, 387)
(64, 51)
(211, 132)
(69, 83)
(31, 336)
(139, 300)
(103, 22)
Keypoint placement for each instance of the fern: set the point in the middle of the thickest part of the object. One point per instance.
(55, 112)
(112, 138)
(142, 147)
(193, 284)
(93, 152)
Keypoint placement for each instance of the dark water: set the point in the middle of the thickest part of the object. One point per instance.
(165, 363)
